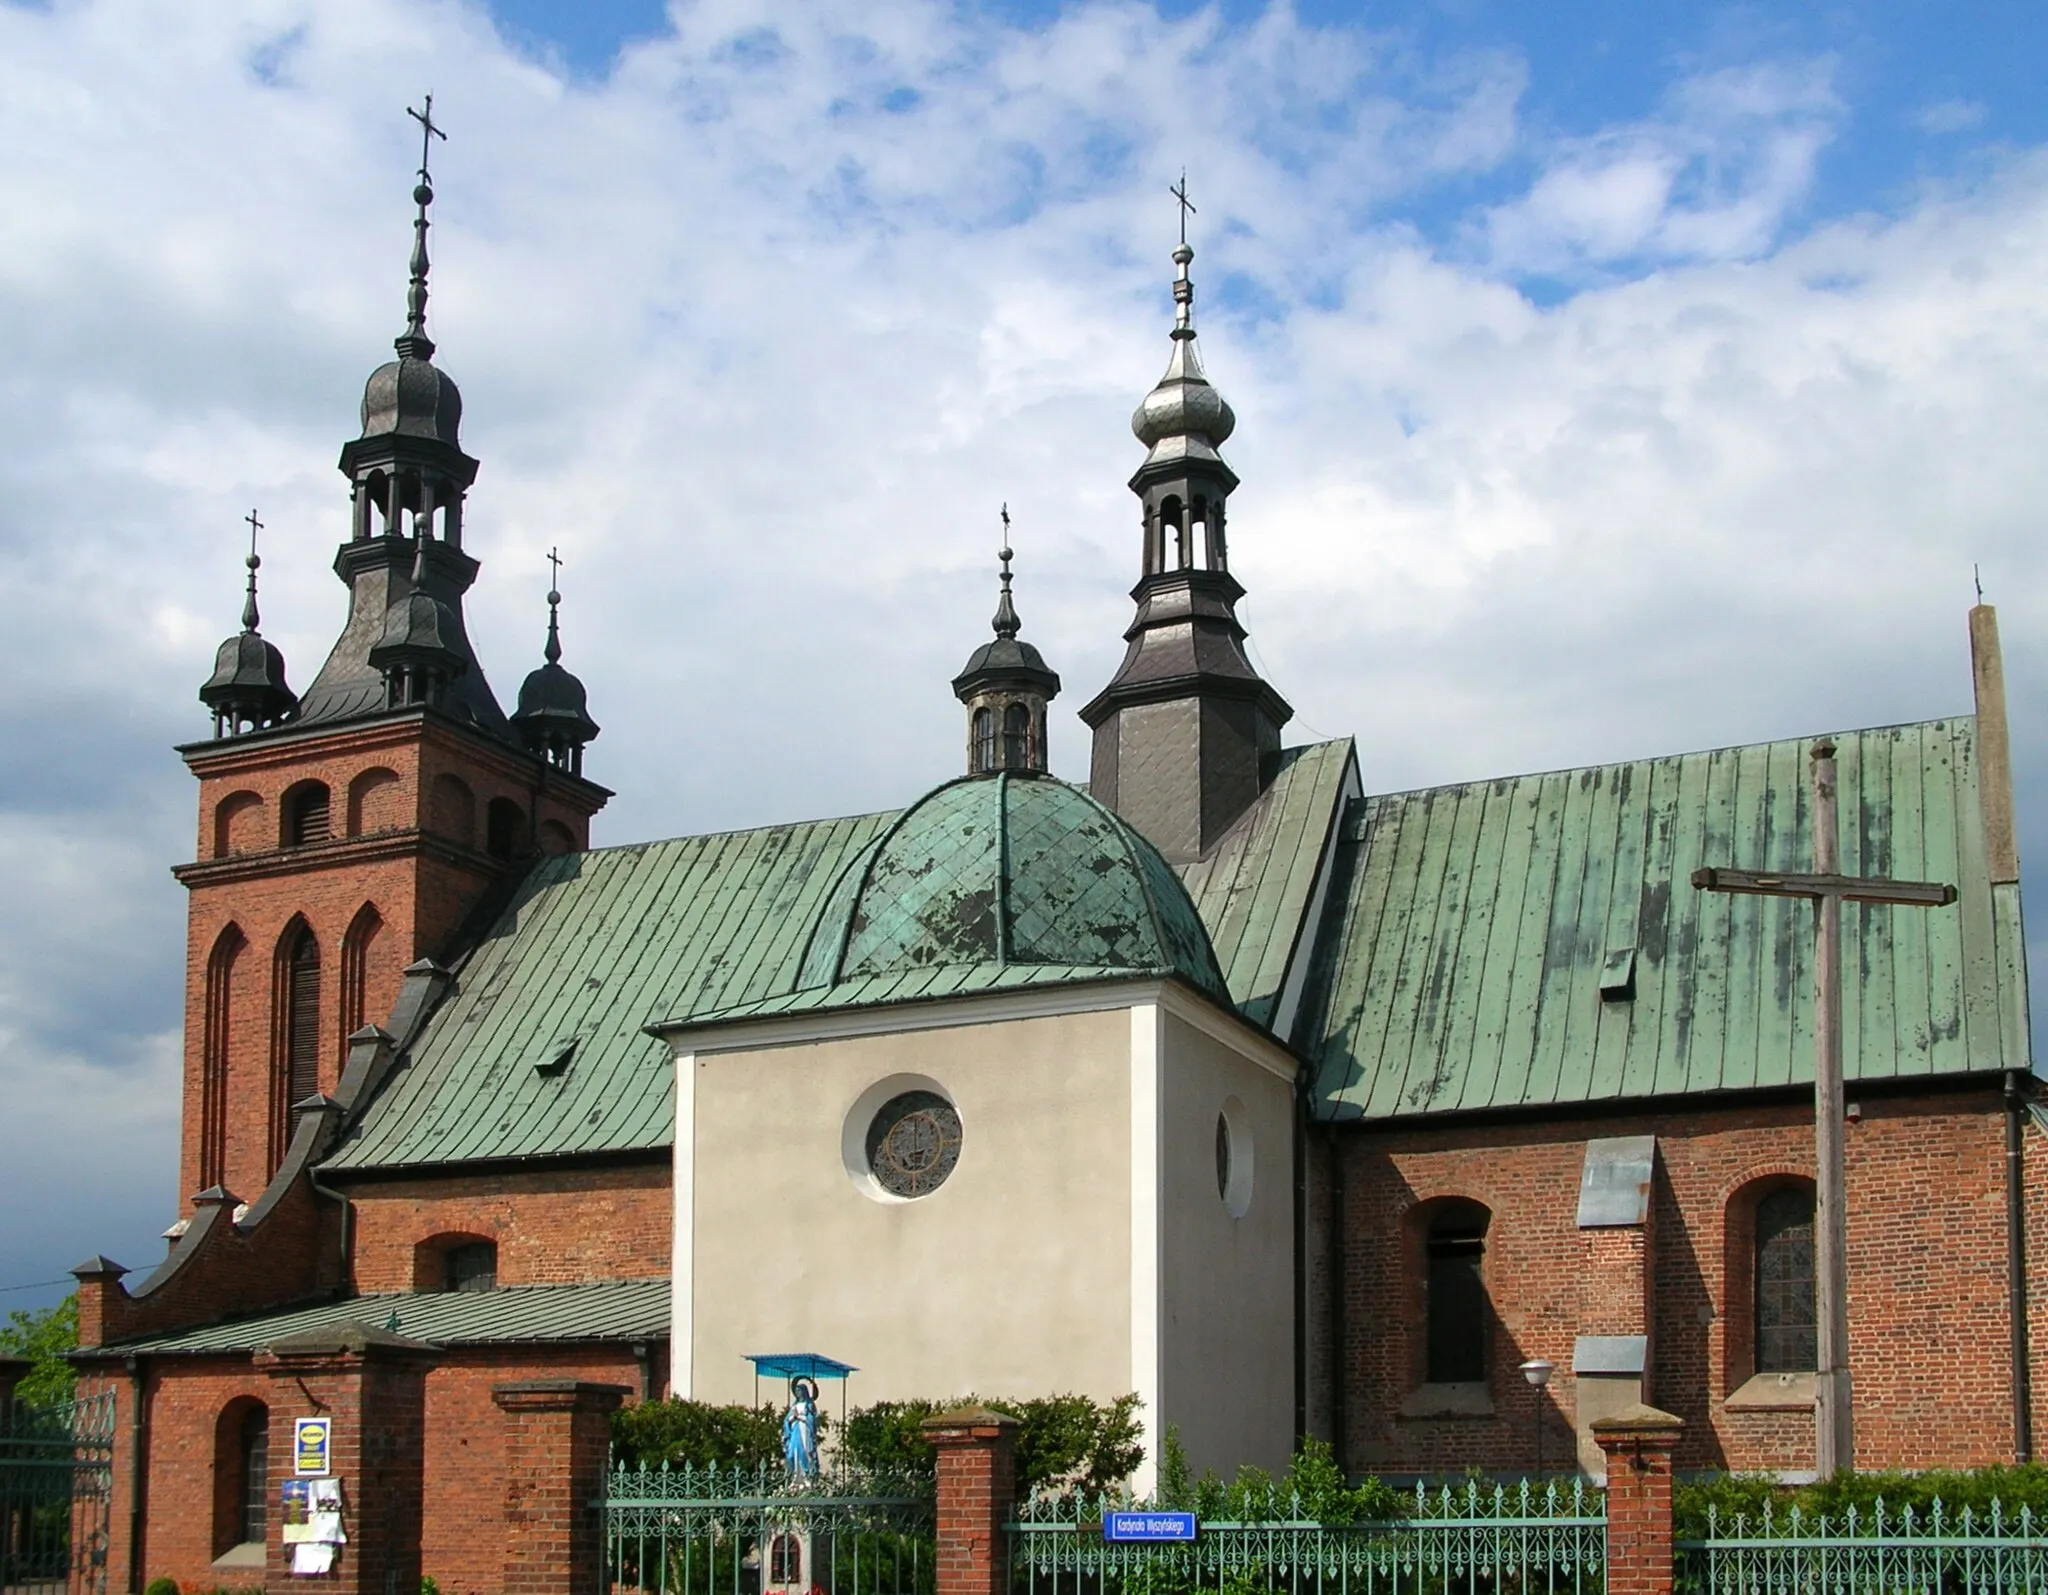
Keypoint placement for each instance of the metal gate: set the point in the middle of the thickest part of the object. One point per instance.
(56, 1475)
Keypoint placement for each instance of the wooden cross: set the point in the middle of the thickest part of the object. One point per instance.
(1827, 889)
(428, 133)
(1180, 192)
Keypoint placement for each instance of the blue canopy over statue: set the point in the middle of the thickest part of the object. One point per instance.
(798, 1364)
(803, 1370)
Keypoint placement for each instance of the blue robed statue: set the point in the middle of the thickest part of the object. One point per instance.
(800, 1429)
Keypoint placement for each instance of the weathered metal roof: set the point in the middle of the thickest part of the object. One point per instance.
(1254, 891)
(993, 871)
(593, 947)
(1473, 928)
(616, 1309)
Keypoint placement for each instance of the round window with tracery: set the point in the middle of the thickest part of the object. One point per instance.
(913, 1143)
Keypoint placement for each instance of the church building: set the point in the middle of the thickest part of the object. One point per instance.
(1291, 1105)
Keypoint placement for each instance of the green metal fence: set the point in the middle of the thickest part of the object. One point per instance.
(56, 1476)
(1894, 1551)
(754, 1531)
(1468, 1539)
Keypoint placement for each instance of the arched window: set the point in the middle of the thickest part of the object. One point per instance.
(298, 1064)
(504, 821)
(786, 1560)
(374, 801)
(307, 814)
(356, 952)
(237, 825)
(1786, 1339)
(1017, 737)
(472, 1266)
(213, 1084)
(984, 740)
(1459, 1316)
(451, 811)
(241, 1474)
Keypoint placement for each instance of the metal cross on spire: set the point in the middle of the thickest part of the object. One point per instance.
(428, 133)
(1187, 206)
(249, 615)
(1827, 889)
(415, 341)
(554, 571)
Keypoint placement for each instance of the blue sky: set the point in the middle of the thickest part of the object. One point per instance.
(1611, 380)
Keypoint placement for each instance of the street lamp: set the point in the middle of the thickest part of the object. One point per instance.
(1537, 1372)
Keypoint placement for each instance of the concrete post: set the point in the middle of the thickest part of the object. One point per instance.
(977, 1493)
(1639, 1443)
(557, 1442)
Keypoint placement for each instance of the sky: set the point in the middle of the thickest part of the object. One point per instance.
(1611, 379)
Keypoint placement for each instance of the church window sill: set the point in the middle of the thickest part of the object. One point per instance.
(1773, 1392)
(240, 1556)
(1463, 1399)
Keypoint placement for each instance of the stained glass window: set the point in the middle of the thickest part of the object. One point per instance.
(913, 1143)
(1786, 1341)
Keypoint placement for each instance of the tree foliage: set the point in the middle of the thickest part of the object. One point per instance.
(1063, 1442)
(43, 1337)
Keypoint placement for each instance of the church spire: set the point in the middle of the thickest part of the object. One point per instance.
(553, 714)
(1198, 754)
(247, 690)
(414, 342)
(1006, 686)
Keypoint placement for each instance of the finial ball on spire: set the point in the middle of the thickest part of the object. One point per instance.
(422, 195)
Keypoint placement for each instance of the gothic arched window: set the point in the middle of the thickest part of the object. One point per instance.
(241, 1470)
(1017, 737)
(213, 1086)
(1458, 1313)
(298, 1073)
(504, 820)
(1786, 1338)
(984, 754)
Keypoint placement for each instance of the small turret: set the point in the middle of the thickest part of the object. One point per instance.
(1006, 686)
(247, 690)
(553, 714)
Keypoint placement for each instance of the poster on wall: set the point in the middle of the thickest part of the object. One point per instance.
(296, 1517)
(312, 1443)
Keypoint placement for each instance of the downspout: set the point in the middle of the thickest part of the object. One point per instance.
(138, 1468)
(348, 1270)
(2016, 1268)
(1300, 1137)
(1339, 1329)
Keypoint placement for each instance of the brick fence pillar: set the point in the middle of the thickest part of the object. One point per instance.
(372, 1384)
(977, 1492)
(557, 1441)
(1638, 1442)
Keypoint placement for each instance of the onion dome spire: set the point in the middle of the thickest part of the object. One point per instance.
(1006, 686)
(553, 714)
(247, 690)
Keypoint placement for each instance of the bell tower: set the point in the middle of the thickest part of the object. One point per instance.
(346, 832)
(1006, 686)
(1186, 731)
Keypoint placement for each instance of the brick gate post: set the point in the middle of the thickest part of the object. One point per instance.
(1639, 1442)
(977, 1493)
(557, 1441)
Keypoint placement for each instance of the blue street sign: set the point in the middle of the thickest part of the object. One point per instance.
(1148, 1528)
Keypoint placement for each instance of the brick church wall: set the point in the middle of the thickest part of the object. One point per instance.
(551, 1228)
(1928, 1288)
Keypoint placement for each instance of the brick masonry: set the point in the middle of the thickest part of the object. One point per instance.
(977, 1489)
(1928, 1280)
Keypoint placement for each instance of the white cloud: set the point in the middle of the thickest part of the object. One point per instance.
(1949, 116)
(762, 328)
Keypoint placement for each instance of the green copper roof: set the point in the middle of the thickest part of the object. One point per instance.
(1472, 928)
(593, 947)
(613, 1309)
(995, 871)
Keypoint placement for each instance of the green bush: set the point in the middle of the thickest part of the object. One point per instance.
(697, 1434)
(1313, 1487)
(1062, 1441)
(161, 1586)
(1746, 1495)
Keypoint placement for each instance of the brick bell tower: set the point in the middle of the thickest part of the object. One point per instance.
(348, 832)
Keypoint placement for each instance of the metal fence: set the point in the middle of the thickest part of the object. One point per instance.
(1895, 1551)
(1468, 1539)
(755, 1531)
(56, 1475)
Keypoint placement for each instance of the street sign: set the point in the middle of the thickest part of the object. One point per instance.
(1148, 1528)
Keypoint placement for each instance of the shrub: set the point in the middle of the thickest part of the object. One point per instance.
(161, 1586)
(1746, 1495)
(696, 1433)
(1063, 1442)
